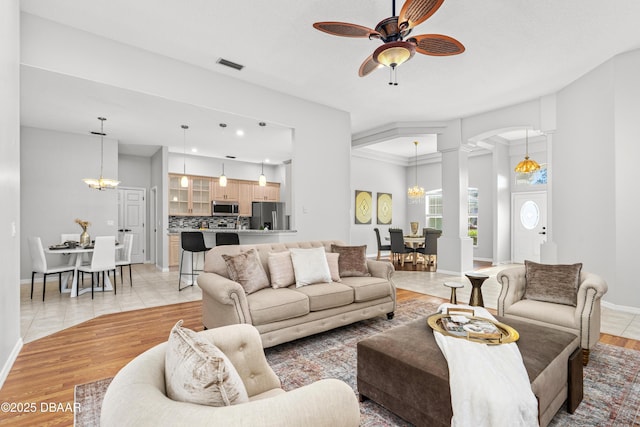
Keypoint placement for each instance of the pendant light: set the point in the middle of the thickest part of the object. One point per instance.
(184, 181)
(262, 180)
(222, 181)
(527, 165)
(416, 193)
(101, 183)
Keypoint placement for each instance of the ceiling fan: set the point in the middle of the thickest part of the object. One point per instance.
(393, 31)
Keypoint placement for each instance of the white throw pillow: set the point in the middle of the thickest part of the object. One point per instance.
(281, 269)
(196, 371)
(310, 266)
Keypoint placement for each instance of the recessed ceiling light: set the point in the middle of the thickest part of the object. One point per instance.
(266, 160)
(194, 150)
(240, 132)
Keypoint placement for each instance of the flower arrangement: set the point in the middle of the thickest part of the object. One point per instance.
(84, 224)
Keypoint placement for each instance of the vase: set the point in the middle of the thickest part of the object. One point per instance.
(414, 228)
(85, 239)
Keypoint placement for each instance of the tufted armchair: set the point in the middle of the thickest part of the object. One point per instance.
(582, 320)
(137, 395)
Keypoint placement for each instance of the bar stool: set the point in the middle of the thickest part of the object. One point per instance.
(453, 286)
(191, 241)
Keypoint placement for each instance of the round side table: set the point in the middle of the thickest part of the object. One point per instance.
(476, 280)
(453, 286)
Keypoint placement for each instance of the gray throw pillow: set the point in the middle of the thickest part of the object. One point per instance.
(352, 260)
(557, 283)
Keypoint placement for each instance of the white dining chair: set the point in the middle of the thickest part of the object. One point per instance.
(39, 265)
(103, 260)
(125, 259)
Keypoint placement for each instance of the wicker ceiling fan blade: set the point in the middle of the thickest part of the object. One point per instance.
(368, 66)
(345, 29)
(437, 45)
(414, 12)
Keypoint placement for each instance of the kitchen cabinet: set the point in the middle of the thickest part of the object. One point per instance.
(174, 250)
(228, 193)
(268, 193)
(245, 197)
(194, 200)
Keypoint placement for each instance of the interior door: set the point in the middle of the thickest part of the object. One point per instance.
(131, 216)
(529, 223)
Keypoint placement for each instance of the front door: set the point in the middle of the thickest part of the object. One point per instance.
(131, 214)
(529, 225)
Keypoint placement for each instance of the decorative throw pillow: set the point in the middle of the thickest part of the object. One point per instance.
(555, 283)
(352, 260)
(281, 269)
(310, 266)
(246, 269)
(196, 371)
(334, 268)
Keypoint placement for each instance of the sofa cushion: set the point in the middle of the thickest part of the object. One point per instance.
(352, 260)
(555, 283)
(246, 269)
(272, 305)
(552, 314)
(281, 269)
(196, 371)
(368, 288)
(327, 295)
(310, 266)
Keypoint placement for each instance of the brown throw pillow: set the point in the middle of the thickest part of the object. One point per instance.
(196, 371)
(352, 260)
(555, 283)
(246, 269)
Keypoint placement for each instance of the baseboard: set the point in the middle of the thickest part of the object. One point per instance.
(4, 373)
(622, 308)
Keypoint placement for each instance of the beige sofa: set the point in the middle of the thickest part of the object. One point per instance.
(137, 395)
(286, 314)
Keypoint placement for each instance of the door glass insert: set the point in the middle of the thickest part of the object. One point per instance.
(529, 215)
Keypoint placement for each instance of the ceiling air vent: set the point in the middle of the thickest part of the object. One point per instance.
(230, 64)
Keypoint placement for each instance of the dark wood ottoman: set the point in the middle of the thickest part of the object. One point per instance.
(404, 370)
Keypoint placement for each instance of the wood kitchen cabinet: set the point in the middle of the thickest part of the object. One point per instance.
(228, 193)
(174, 250)
(268, 193)
(194, 200)
(245, 197)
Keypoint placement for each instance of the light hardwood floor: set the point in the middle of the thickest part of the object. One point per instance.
(48, 368)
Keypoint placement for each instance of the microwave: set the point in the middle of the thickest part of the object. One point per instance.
(224, 208)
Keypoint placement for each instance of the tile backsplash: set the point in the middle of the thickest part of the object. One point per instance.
(211, 221)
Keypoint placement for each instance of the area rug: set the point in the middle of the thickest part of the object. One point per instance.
(611, 380)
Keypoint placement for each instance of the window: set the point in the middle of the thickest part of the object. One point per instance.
(538, 177)
(433, 214)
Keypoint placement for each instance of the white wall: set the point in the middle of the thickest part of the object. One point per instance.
(52, 194)
(160, 180)
(481, 177)
(10, 341)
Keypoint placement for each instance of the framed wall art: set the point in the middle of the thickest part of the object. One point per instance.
(385, 208)
(363, 207)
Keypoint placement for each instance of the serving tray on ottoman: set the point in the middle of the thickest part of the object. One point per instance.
(404, 370)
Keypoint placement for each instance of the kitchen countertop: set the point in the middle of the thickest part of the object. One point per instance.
(231, 230)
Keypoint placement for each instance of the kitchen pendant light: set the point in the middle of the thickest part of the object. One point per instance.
(101, 183)
(222, 181)
(527, 165)
(184, 181)
(262, 180)
(416, 193)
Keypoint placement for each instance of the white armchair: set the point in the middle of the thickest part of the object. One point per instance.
(137, 395)
(582, 320)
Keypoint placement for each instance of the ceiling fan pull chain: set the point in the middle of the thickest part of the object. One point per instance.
(393, 77)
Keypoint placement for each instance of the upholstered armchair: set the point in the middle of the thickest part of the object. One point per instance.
(583, 319)
(137, 396)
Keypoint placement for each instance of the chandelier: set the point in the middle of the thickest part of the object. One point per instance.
(416, 193)
(101, 183)
(527, 165)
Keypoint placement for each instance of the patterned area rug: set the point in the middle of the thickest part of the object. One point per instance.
(611, 380)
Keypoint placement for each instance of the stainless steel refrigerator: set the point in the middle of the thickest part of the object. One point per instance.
(268, 214)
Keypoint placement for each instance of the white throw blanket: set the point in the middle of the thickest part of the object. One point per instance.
(489, 383)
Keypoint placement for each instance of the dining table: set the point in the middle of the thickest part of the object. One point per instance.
(413, 241)
(75, 259)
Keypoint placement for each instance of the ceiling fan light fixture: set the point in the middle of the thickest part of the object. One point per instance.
(394, 53)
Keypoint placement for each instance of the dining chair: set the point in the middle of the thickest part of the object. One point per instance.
(227, 239)
(430, 248)
(103, 259)
(39, 265)
(398, 248)
(125, 257)
(191, 241)
(381, 247)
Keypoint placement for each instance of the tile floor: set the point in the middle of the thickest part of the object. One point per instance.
(153, 288)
